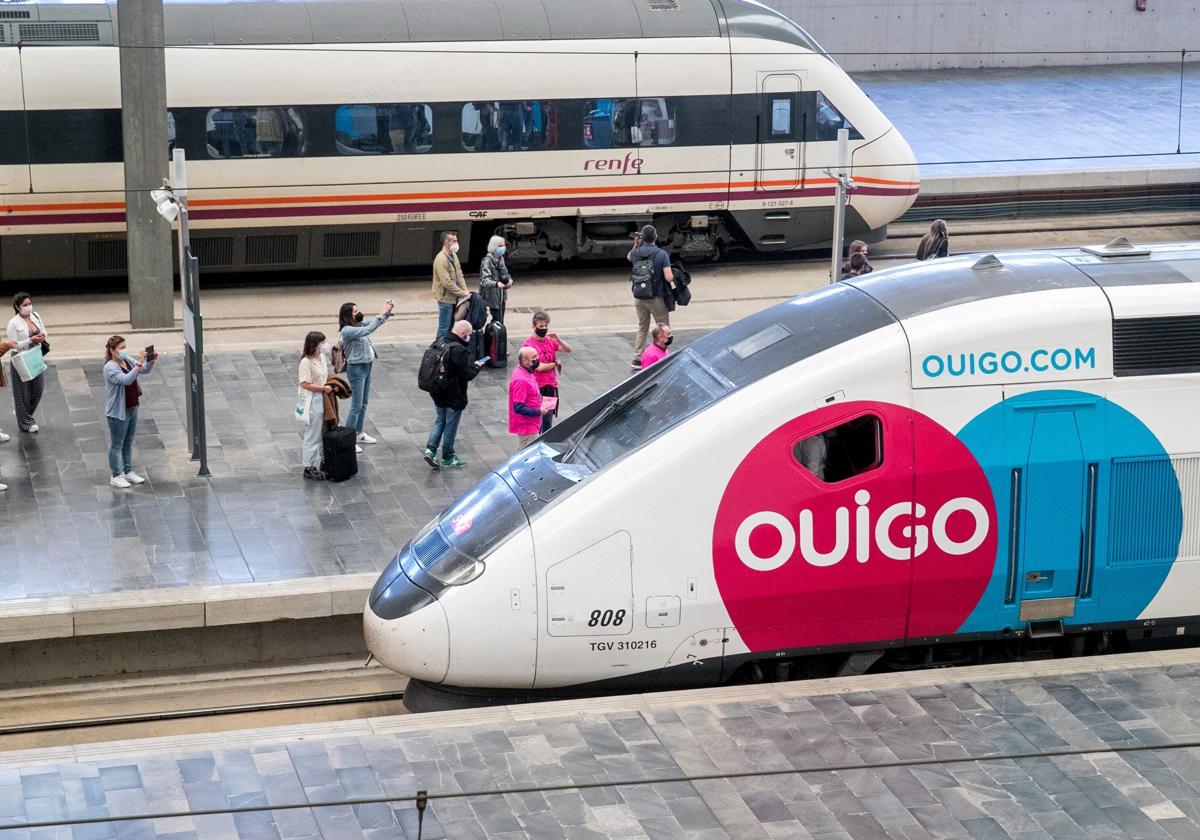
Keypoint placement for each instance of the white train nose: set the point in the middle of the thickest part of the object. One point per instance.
(416, 645)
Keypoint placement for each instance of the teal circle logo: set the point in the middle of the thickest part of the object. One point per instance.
(1088, 508)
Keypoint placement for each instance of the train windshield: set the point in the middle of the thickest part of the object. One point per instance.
(453, 547)
(682, 386)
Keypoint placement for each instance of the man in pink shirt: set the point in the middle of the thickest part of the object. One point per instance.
(548, 345)
(525, 409)
(660, 340)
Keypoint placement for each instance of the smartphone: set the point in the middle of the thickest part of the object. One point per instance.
(484, 361)
(150, 354)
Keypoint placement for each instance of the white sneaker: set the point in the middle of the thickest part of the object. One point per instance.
(119, 481)
(134, 478)
(33, 429)
(4, 438)
(358, 450)
(366, 438)
(3, 487)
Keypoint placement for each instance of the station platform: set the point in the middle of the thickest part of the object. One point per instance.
(256, 542)
(1086, 133)
(1069, 750)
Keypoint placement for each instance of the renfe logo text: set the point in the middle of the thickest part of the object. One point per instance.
(915, 532)
(619, 166)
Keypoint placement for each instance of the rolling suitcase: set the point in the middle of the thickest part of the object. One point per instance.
(341, 462)
(495, 344)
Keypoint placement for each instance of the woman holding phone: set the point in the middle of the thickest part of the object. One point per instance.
(122, 396)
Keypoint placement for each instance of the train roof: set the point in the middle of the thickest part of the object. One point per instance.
(789, 332)
(911, 290)
(195, 22)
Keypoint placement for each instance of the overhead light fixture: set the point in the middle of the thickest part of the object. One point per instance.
(168, 209)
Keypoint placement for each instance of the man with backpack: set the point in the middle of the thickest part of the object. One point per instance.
(446, 369)
(652, 281)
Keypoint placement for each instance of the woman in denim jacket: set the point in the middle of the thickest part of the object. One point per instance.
(359, 354)
(122, 394)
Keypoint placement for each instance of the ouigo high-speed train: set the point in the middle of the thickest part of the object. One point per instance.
(920, 465)
(326, 134)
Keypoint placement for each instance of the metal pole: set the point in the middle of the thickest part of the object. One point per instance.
(839, 209)
(189, 285)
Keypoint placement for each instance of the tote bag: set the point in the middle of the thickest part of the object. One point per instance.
(304, 401)
(29, 364)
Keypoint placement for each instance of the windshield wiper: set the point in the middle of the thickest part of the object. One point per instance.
(601, 415)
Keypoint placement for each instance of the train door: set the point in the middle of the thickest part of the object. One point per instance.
(1052, 490)
(780, 150)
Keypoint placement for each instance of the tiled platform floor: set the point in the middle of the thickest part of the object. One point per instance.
(977, 746)
(64, 530)
(984, 122)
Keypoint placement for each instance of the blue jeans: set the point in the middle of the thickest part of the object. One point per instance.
(445, 429)
(445, 318)
(120, 442)
(359, 375)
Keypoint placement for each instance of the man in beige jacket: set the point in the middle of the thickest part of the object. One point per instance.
(449, 287)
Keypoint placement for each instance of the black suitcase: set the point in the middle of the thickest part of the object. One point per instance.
(495, 344)
(341, 461)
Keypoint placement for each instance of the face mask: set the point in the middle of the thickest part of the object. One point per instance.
(358, 319)
(123, 354)
(454, 248)
(27, 310)
(324, 348)
(667, 343)
(501, 251)
(541, 332)
(532, 366)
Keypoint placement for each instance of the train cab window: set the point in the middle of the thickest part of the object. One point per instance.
(393, 129)
(254, 132)
(828, 119)
(781, 117)
(516, 126)
(844, 451)
(618, 123)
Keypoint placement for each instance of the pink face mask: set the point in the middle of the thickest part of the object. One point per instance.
(27, 310)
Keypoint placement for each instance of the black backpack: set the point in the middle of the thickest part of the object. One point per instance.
(432, 376)
(642, 277)
(472, 310)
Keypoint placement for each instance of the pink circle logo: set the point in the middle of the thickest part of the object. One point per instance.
(898, 539)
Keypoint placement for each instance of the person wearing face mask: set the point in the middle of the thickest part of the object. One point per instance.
(660, 340)
(313, 372)
(27, 330)
(494, 279)
(548, 345)
(449, 287)
(525, 407)
(360, 355)
(122, 394)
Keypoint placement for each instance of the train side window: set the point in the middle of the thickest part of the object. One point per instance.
(781, 117)
(618, 123)
(392, 129)
(276, 131)
(511, 126)
(170, 134)
(844, 451)
(828, 119)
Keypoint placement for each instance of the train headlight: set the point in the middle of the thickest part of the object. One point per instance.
(451, 550)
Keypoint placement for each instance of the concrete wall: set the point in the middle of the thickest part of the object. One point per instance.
(922, 34)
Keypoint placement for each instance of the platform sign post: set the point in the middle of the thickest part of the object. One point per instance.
(843, 186)
(193, 321)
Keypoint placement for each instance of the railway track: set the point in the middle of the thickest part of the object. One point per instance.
(90, 711)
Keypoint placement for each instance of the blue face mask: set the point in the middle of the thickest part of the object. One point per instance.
(124, 354)
(500, 251)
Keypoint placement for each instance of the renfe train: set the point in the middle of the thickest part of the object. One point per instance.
(908, 467)
(325, 134)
